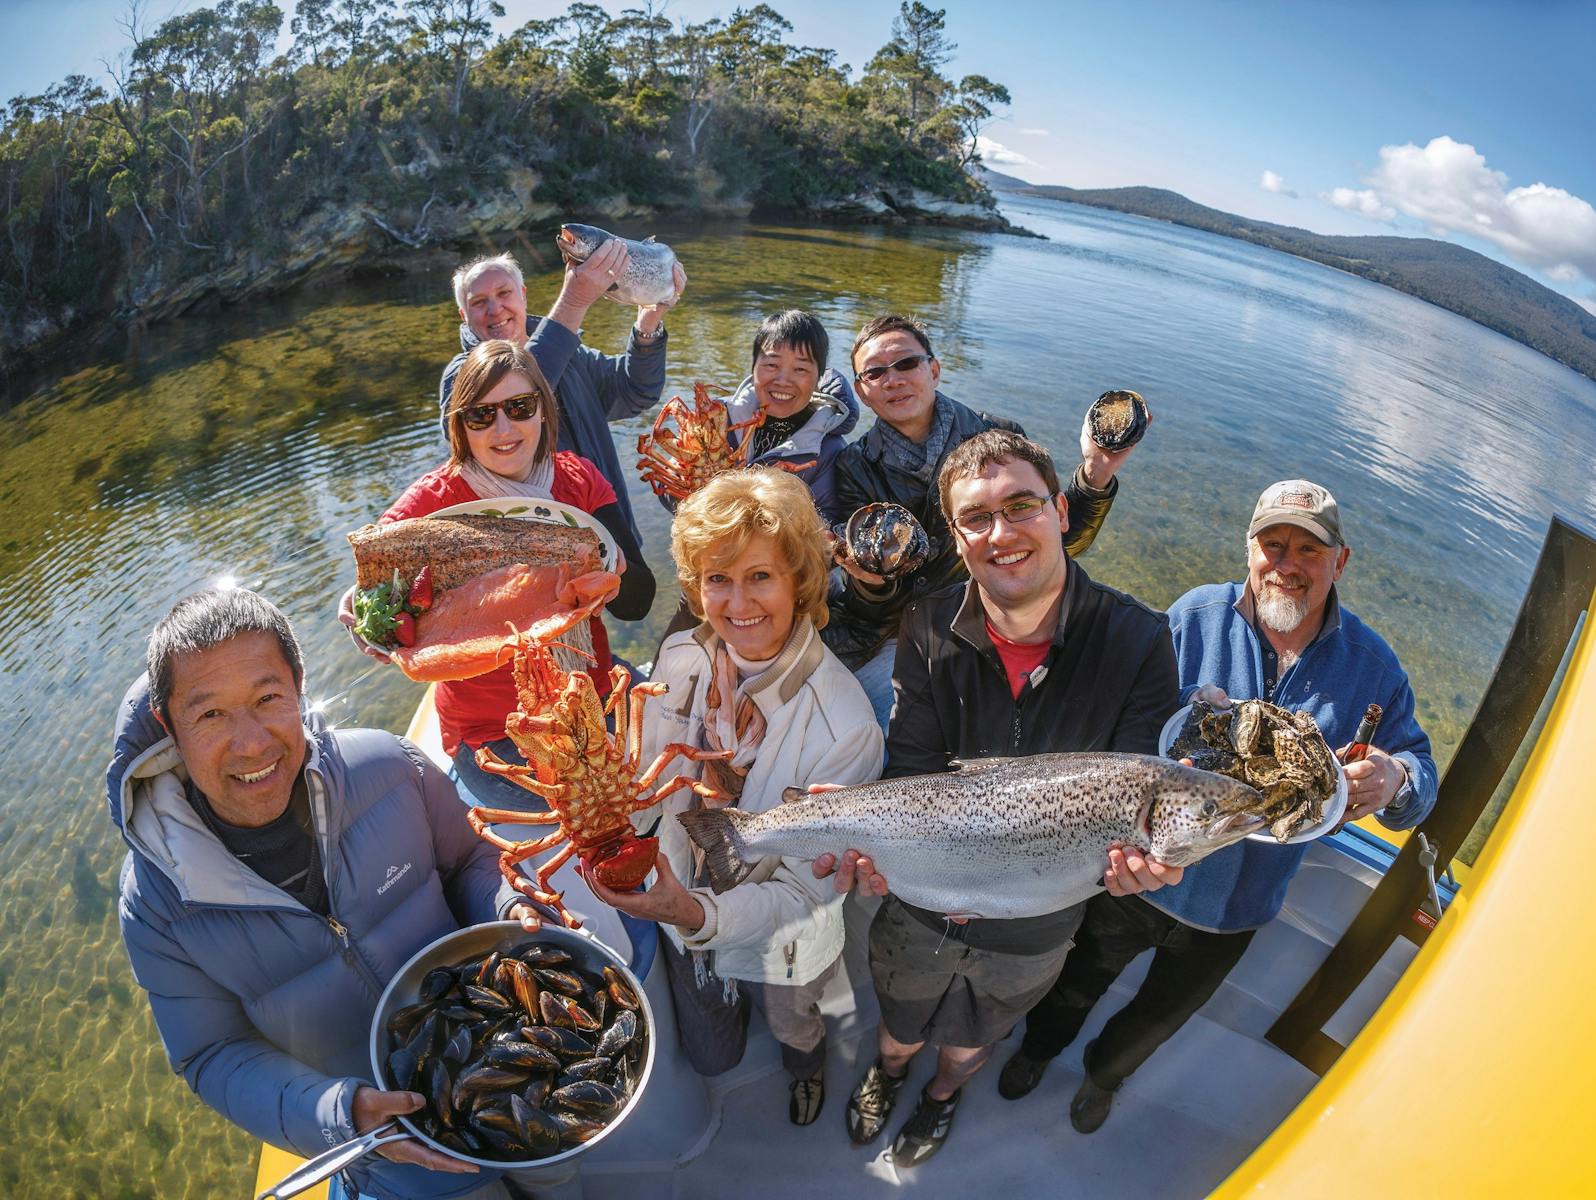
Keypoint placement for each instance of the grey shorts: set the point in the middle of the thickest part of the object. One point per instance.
(934, 988)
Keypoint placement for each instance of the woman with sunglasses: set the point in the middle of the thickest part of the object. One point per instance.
(503, 424)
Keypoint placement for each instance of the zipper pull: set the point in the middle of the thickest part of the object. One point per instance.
(340, 929)
(790, 953)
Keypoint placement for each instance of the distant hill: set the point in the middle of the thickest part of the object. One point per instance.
(998, 181)
(1448, 276)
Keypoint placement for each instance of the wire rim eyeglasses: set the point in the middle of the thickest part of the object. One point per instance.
(1016, 512)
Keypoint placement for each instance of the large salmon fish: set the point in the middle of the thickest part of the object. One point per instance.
(647, 278)
(998, 837)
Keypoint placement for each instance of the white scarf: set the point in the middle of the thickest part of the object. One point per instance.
(489, 485)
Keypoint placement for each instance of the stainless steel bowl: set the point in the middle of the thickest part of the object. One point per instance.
(404, 989)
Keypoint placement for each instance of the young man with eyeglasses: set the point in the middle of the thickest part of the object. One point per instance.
(1280, 635)
(592, 388)
(896, 375)
(1029, 656)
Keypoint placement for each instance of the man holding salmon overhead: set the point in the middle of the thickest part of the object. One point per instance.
(592, 388)
(1030, 656)
(1280, 635)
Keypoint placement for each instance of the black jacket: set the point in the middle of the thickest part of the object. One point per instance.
(862, 618)
(1109, 682)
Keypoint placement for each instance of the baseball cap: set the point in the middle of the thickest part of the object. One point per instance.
(1301, 503)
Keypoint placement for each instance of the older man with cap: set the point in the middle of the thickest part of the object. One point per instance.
(1279, 635)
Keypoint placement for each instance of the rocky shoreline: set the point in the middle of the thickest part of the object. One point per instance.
(339, 239)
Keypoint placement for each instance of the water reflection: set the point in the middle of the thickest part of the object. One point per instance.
(249, 442)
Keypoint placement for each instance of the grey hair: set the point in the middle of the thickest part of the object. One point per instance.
(208, 619)
(477, 267)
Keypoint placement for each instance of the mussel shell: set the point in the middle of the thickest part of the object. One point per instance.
(537, 1130)
(567, 983)
(567, 1043)
(562, 1011)
(619, 990)
(496, 1116)
(619, 1035)
(587, 1097)
(521, 1054)
(425, 1040)
(541, 954)
(506, 1144)
(886, 540)
(486, 1000)
(486, 1079)
(458, 1013)
(490, 964)
(436, 984)
(592, 1068)
(439, 1092)
(458, 1048)
(575, 1128)
(402, 1068)
(403, 1022)
(536, 1093)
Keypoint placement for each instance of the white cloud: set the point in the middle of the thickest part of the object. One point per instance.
(1366, 203)
(1270, 182)
(1036, 132)
(1448, 186)
(997, 152)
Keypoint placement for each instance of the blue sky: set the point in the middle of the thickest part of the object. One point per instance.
(1467, 120)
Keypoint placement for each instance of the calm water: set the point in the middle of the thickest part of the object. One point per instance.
(248, 443)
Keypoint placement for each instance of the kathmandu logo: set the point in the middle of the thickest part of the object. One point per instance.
(1294, 500)
(395, 874)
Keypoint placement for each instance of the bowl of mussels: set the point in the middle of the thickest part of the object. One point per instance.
(528, 1048)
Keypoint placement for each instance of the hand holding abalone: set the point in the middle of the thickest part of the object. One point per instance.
(886, 540)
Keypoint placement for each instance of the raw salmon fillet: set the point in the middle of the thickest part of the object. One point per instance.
(459, 548)
(467, 630)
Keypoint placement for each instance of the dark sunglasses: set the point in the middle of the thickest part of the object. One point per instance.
(1015, 512)
(524, 407)
(903, 366)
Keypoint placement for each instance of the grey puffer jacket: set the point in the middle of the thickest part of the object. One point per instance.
(263, 1006)
(817, 444)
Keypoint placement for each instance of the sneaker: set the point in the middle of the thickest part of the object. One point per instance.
(1090, 1107)
(807, 1097)
(924, 1132)
(1020, 1075)
(871, 1104)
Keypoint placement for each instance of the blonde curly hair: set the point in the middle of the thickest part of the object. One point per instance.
(714, 525)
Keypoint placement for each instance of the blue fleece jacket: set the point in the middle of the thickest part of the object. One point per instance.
(593, 389)
(263, 1006)
(1344, 670)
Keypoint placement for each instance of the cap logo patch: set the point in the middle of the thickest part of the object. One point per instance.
(1294, 500)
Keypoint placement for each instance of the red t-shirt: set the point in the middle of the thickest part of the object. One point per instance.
(1019, 658)
(473, 711)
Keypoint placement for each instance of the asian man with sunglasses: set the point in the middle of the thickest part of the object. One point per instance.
(897, 376)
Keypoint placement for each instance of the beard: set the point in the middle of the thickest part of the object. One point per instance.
(1278, 611)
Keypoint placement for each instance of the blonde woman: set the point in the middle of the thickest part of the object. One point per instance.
(753, 678)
